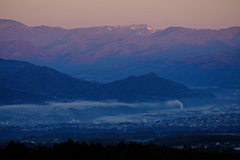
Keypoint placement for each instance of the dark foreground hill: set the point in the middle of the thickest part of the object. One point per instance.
(22, 78)
(145, 87)
(10, 96)
(26, 77)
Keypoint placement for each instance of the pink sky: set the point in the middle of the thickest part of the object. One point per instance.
(159, 14)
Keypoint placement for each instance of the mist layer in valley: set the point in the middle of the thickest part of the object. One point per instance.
(85, 112)
(96, 112)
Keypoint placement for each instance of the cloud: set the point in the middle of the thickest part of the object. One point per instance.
(173, 103)
(89, 104)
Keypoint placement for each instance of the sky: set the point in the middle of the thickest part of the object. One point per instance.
(159, 14)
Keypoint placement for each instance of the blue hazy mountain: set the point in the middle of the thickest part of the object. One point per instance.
(144, 87)
(31, 78)
(220, 70)
(11, 96)
(22, 77)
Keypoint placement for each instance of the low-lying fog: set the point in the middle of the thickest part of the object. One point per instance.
(93, 112)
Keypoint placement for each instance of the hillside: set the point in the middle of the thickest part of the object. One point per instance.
(42, 80)
(21, 77)
(145, 87)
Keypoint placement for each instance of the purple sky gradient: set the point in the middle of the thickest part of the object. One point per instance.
(159, 14)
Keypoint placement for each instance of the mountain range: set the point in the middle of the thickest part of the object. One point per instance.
(23, 82)
(194, 57)
(27, 77)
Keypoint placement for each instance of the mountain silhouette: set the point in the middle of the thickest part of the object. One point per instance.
(145, 87)
(27, 77)
(45, 83)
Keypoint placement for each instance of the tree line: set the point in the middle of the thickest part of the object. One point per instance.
(71, 150)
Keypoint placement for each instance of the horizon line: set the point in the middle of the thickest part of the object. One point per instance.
(125, 25)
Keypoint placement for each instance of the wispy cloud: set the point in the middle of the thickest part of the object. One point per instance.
(174, 103)
(90, 104)
(82, 111)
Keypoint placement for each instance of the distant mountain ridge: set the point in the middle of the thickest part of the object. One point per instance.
(25, 82)
(119, 51)
(90, 45)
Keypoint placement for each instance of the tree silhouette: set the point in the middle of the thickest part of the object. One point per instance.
(122, 151)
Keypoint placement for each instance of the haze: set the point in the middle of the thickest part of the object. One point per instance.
(159, 14)
(83, 111)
